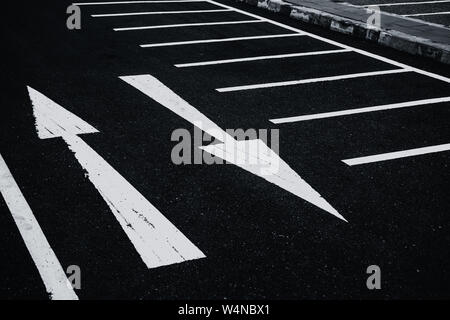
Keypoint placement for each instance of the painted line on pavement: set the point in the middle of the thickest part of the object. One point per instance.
(106, 15)
(181, 43)
(201, 24)
(397, 155)
(359, 110)
(311, 80)
(276, 56)
(48, 265)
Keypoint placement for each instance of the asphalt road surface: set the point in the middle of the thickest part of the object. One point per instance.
(87, 177)
(433, 11)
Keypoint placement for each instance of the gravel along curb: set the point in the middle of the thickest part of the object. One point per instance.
(386, 37)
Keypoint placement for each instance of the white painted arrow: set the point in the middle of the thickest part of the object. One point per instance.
(266, 163)
(157, 241)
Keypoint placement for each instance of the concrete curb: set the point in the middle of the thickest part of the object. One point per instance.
(389, 38)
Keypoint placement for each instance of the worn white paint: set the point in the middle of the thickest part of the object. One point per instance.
(263, 161)
(52, 118)
(313, 80)
(397, 154)
(157, 241)
(360, 110)
(48, 265)
(257, 58)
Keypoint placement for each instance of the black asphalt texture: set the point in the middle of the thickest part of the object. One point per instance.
(411, 9)
(261, 242)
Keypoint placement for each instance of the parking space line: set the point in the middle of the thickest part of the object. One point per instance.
(311, 80)
(360, 110)
(338, 44)
(105, 15)
(179, 43)
(188, 25)
(401, 3)
(277, 56)
(397, 154)
(426, 14)
(48, 265)
(132, 2)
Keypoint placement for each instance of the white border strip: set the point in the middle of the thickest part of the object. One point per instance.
(277, 56)
(200, 24)
(312, 80)
(166, 44)
(44, 258)
(359, 110)
(397, 155)
(106, 15)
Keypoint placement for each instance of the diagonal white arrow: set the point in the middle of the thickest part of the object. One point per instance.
(267, 164)
(157, 241)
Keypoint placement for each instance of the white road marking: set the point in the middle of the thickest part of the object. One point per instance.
(397, 155)
(201, 24)
(360, 110)
(277, 56)
(159, 92)
(335, 43)
(133, 2)
(102, 15)
(401, 3)
(426, 14)
(269, 166)
(312, 80)
(284, 176)
(50, 270)
(157, 241)
(180, 43)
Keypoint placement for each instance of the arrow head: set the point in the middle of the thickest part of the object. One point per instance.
(257, 158)
(52, 120)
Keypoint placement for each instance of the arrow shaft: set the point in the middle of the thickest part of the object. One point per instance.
(159, 92)
(155, 238)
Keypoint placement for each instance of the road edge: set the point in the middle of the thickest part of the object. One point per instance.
(389, 38)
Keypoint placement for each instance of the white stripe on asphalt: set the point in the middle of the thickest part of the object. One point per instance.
(335, 43)
(277, 56)
(269, 165)
(132, 2)
(50, 270)
(313, 80)
(156, 90)
(397, 155)
(188, 25)
(401, 3)
(359, 110)
(102, 15)
(426, 14)
(155, 238)
(180, 43)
